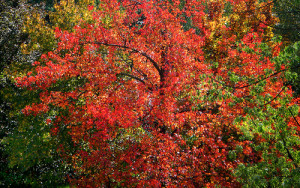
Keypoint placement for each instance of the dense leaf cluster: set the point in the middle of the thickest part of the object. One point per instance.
(149, 93)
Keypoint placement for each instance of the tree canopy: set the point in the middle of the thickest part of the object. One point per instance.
(163, 94)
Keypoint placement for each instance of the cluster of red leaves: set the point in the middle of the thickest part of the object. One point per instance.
(141, 115)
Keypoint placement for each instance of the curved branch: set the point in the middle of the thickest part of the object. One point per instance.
(131, 76)
(154, 63)
(288, 152)
(294, 117)
(256, 82)
(274, 97)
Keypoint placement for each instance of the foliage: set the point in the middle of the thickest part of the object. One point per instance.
(288, 28)
(32, 158)
(279, 128)
(288, 13)
(40, 23)
(136, 99)
(292, 54)
(11, 37)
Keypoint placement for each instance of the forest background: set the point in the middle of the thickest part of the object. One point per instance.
(260, 144)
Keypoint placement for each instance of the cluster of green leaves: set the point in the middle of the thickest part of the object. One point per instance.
(288, 12)
(279, 165)
(292, 56)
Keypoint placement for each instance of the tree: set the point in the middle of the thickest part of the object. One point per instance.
(28, 153)
(136, 99)
(11, 38)
(288, 13)
(40, 23)
(288, 28)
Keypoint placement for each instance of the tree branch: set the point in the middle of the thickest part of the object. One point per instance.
(154, 63)
(131, 76)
